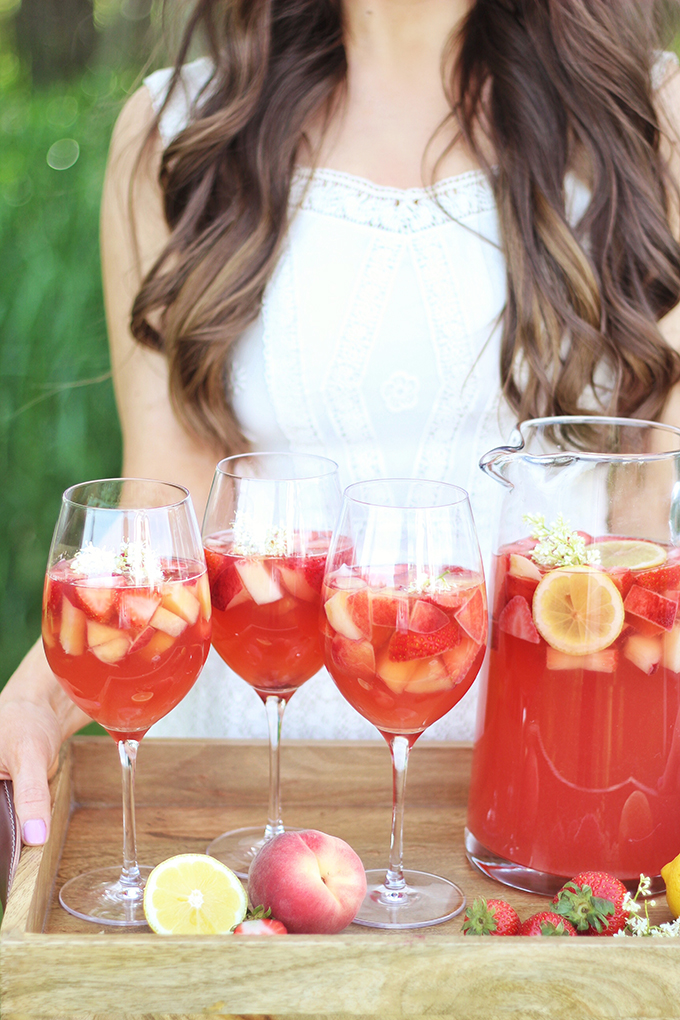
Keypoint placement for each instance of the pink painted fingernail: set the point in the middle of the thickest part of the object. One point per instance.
(34, 832)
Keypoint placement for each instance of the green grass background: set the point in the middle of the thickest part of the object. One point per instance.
(58, 422)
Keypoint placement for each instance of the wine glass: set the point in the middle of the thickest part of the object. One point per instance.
(266, 533)
(405, 626)
(126, 630)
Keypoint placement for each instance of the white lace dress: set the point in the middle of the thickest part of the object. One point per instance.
(377, 346)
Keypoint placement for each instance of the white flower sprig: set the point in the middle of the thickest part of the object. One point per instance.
(640, 926)
(274, 542)
(425, 584)
(558, 545)
(135, 561)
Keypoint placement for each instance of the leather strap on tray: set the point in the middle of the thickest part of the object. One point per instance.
(10, 843)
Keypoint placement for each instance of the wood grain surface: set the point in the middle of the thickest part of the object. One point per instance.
(54, 966)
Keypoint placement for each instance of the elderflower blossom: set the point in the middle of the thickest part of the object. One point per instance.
(558, 545)
(135, 561)
(425, 584)
(640, 926)
(274, 542)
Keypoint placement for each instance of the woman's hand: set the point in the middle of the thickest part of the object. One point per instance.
(36, 716)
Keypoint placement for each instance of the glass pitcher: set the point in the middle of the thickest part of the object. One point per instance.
(577, 755)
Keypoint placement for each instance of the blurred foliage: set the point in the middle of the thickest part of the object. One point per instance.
(58, 422)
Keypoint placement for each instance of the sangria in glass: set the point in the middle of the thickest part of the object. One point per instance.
(405, 629)
(126, 630)
(266, 533)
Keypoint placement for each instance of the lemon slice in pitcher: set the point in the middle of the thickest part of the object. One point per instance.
(578, 610)
(193, 894)
(632, 553)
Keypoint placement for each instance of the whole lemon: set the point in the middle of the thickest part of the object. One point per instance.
(671, 876)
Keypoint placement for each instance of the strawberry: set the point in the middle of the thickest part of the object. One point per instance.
(491, 917)
(593, 902)
(425, 617)
(516, 619)
(409, 645)
(96, 602)
(547, 922)
(224, 587)
(260, 926)
(661, 578)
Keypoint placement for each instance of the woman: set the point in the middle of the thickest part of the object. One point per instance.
(492, 234)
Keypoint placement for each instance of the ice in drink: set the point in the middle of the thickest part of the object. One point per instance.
(266, 609)
(577, 761)
(125, 652)
(404, 654)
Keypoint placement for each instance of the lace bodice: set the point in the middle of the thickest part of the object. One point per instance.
(377, 345)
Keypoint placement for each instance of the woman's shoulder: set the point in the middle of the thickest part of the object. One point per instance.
(191, 84)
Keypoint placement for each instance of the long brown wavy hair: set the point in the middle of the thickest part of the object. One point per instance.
(552, 85)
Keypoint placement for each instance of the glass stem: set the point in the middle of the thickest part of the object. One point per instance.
(399, 749)
(275, 707)
(127, 752)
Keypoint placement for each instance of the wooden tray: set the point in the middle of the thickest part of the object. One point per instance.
(189, 791)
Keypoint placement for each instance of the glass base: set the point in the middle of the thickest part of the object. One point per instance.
(518, 876)
(100, 896)
(426, 900)
(238, 847)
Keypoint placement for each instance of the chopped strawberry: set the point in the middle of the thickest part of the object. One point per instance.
(409, 645)
(491, 917)
(97, 602)
(261, 926)
(458, 660)
(314, 567)
(547, 922)
(516, 619)
(661, 578)
(472, 617)
(425, 618)
(649, 605)
(593, 902)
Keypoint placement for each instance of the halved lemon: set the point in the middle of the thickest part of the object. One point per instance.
(633, 553)
(193, 894)
(578, 610)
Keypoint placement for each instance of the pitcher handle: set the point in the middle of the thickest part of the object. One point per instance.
(492, 462)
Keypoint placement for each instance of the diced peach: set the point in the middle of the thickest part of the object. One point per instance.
(72, 628)
(112, 651)
(168, 622)
(671, 649)
(355, 657)
(347, 581)
(522, 566)
(395, 675)
(158, 644)
(340, 618)
(202, 592)
(101, 633)
(180, 601)
(429, 676)
(644, 652)
(599, 662)
(297, 584)
(385, 605)
(649, 605)
(426, 617)
(137, 608)
(48, 635)
(459, 659)
(359, 607)
(259, 583)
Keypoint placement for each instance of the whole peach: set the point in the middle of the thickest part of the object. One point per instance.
(312, 882)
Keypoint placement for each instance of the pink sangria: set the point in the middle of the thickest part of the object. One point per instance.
(125, 653)
(402, 657)
(266, 611)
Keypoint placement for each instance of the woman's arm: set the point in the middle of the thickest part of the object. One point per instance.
(36, 715)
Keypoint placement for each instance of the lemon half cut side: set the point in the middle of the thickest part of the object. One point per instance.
(193, 894)
(630, 553)
(578, 610)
